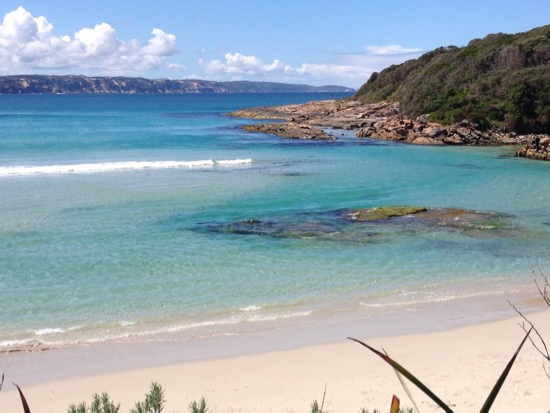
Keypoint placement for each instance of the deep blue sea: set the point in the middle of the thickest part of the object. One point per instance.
(144, 216)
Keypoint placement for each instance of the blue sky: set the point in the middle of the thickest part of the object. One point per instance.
(315, 42)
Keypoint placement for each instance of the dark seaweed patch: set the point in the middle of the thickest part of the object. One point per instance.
(344, 226)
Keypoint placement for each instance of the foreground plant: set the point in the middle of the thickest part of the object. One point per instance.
(26, 408)
(542, 284)
(402, 370)
(100, 404)
(199, 407)
(315, 405)
(154, 401)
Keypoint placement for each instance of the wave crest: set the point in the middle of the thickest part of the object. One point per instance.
(88, 168)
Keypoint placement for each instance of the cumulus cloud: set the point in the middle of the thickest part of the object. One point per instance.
(29, 43)
(236, 66)
(344, 69)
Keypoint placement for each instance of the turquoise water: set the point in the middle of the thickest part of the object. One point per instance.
(116, 218)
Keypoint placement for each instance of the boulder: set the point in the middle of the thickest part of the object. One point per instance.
(424, 140)
(537, 148)
(380, 120)
(453, 139)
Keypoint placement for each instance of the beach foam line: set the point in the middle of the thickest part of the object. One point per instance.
(50, 338)
(116, 166)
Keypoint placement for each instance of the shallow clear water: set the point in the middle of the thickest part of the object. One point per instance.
(111, 211)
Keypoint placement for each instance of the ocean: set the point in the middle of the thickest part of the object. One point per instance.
(149, 217)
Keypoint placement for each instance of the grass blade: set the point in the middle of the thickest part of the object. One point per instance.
(408, 375)
(404, 385)
(2, 382)
(493, 395)
(23, 400)
(394, 404)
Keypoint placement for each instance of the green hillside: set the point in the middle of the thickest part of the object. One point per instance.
(502, 80)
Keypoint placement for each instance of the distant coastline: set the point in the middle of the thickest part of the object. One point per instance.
(79, 84)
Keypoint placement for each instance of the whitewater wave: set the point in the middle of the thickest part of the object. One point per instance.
(421, 299)
(88, 168)
(233, 324)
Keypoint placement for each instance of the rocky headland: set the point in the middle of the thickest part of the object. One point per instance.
(380, 120)
(494, 91)
(78, 84)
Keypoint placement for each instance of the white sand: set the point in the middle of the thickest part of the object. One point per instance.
(459, 365)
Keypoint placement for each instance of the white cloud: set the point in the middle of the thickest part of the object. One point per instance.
(344, 69)
(162, 44)
(28, 43)
(99, 42)
(391, 50)
(237, 66)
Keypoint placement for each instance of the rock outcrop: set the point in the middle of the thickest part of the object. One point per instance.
(538, 148)
(290, 130)
(375, 120)
(422, 132)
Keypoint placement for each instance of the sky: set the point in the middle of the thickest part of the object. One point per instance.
(315, 42)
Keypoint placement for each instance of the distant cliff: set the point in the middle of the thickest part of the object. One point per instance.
(132, 85)
(502, 80)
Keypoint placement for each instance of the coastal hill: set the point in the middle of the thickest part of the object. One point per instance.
(502, 81)
(74, 84)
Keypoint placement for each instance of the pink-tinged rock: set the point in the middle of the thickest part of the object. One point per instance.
(424, 140)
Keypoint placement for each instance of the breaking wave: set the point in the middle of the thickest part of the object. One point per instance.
(88, 168)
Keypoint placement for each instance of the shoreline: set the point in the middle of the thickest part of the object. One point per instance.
(461, 364)
(380, 121)
(324, 321)
(383, 121)
(102, 363)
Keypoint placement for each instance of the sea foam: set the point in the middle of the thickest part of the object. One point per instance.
(88, 168)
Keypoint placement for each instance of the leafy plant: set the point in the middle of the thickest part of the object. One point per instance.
(199, 407)
(490, 399)
(100, 404)
(154, 401)
(315, 405)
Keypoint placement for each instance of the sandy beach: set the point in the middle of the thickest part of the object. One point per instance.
(460, 365)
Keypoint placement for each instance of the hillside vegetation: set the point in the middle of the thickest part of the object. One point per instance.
(502, 81)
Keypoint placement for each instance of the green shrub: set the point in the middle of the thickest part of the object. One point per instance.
(154, 401)
(199, 407)
(499, 81)
(100, 404)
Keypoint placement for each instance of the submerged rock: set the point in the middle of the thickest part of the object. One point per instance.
(442, 217)
(298, 227)
(377, 213)
(369, 225)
